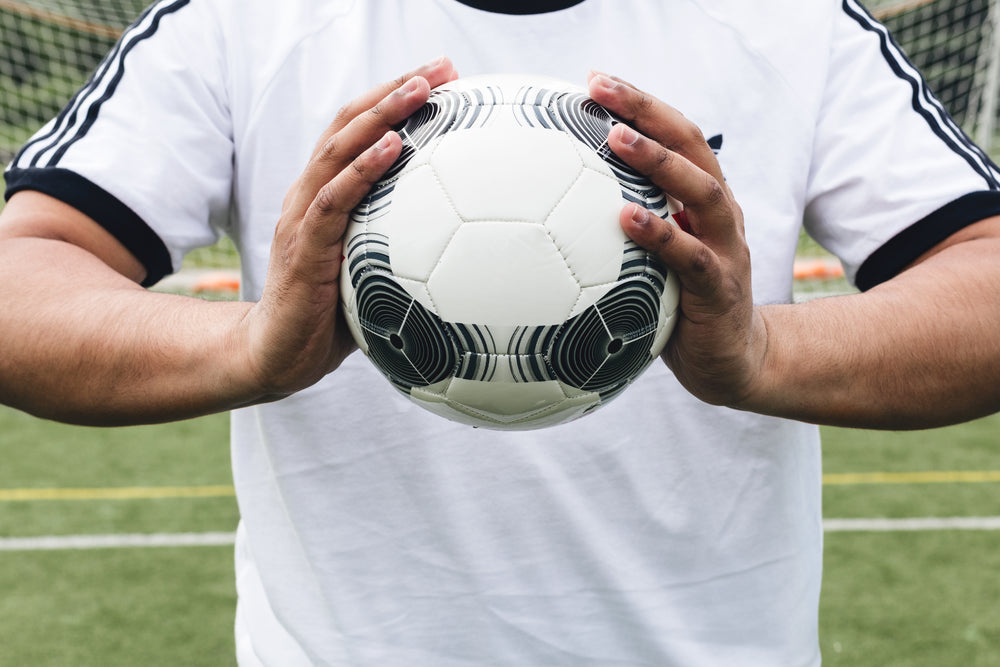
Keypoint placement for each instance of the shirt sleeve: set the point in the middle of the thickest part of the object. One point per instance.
(145, 147)
(893, 174)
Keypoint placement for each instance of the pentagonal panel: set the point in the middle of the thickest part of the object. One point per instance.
(506, 173)
(502, 273)
(502, 399)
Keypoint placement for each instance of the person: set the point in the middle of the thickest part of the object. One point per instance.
(679, 525)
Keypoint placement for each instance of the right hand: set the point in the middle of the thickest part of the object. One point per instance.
(295, 334)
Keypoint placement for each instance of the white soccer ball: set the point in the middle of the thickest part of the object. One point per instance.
(487, 276)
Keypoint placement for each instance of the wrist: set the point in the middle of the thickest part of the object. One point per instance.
(754, 392)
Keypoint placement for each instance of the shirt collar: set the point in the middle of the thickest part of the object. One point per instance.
(520, 6)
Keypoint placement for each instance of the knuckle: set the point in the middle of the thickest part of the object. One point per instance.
(344, 114)
(326, 201)
(359, 170)
(665, 238)
(376, 112)
(642, 103)
(694, 135)
(664, 159)
(702, 262)
(330, 149)
(715, 194)
(736, 287)
(655, 237)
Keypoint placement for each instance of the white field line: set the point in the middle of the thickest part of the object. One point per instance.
(921, 523)
(212, 539)
(121, 541)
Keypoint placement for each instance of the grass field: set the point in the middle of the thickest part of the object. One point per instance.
(890, 598)
(929, 598)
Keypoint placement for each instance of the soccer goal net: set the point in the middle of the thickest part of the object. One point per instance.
(48, 48)
(955, 43)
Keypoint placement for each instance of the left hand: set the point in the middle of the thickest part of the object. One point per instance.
(717, 348)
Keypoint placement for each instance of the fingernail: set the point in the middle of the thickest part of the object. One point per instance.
(604, 81)
(384, 142)
(627, 135)
(409, 87)
(433, 63)
(640, 215)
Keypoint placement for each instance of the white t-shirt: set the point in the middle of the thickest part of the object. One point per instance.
(656, 531)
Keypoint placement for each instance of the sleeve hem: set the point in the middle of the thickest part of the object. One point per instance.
(918, 238)
(101, 206)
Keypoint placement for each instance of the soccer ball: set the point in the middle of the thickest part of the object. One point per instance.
(487, 276)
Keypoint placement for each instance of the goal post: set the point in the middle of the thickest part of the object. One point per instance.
(989, 69)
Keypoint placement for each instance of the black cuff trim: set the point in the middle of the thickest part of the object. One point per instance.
(101, 206)
(520, 7)
(918, 238)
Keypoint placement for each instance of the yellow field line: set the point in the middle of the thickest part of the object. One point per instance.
(927, 477)
(226, 491)
(121, 493)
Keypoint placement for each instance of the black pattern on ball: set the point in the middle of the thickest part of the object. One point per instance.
(589, 122)
(607, 345)
(444, 112)
(411, 345)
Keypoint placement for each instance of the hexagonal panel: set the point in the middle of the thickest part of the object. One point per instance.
(506, 173)
(419, 222)
(502, 273)
(585, 228)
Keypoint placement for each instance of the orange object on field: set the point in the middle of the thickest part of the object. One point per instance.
(217, 281)
(817, 269)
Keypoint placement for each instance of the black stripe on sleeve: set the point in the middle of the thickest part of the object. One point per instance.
(906, 246)
(75, 120)
(101, 206)
(923, 101)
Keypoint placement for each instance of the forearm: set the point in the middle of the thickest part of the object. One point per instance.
(85, 345)
(921, 350)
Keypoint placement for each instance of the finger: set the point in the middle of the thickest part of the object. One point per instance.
(365, 129)
(710, 211)
(361, 122)
(326, 219)
(655, 119)
(697, 266)
(436, 72)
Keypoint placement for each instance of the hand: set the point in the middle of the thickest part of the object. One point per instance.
(294, 334)
(717, 348)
